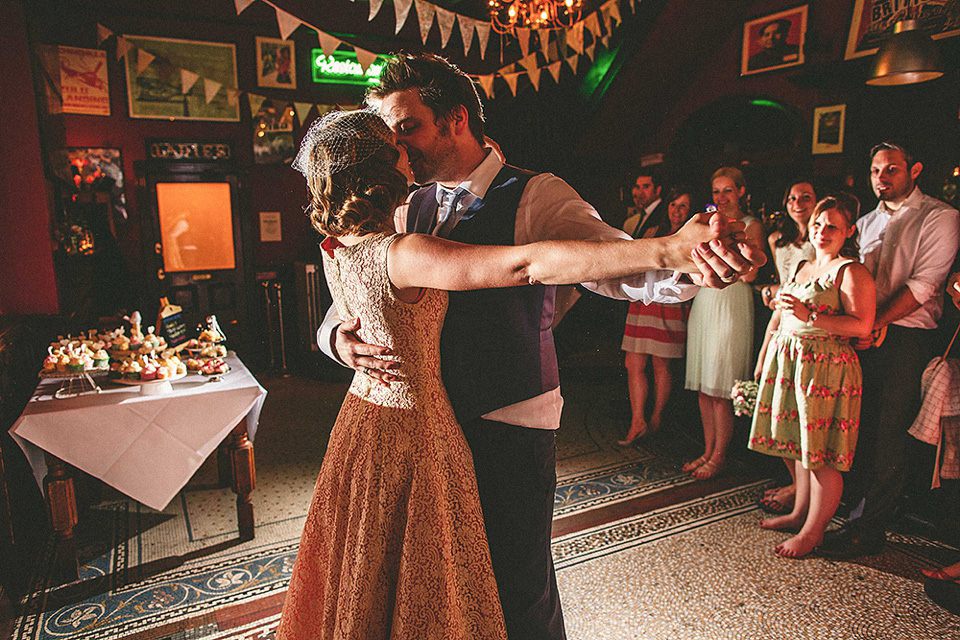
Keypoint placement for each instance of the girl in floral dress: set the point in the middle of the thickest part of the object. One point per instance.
(808, 406)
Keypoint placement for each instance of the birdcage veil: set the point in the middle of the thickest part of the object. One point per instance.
(344, 138)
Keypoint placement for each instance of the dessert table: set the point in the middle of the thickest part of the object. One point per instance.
(144, 444)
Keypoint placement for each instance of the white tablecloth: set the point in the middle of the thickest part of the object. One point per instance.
(148, 447)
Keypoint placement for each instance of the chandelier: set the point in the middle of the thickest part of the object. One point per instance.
(507, 15)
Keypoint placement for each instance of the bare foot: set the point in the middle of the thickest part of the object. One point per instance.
(788, 522)
(798, 546)
(693, 464)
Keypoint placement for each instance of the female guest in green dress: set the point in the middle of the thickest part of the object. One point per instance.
(808, 406)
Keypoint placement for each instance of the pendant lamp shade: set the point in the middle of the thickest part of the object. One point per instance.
(907, 55)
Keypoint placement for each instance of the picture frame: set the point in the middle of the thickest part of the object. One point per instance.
(828, 126)
(872, 20)
(155, 84)
(276, 63)
(774, 41)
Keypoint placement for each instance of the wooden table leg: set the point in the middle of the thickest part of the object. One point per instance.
(62, 504)
(224, 472)
(244, 477)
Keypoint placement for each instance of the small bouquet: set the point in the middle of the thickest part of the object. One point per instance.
(744, 397)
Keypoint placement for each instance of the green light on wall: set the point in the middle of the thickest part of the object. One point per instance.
(767, 103)
(341, 67)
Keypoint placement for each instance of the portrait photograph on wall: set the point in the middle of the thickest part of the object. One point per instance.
(157, 69)
(276, 63)
(872, 20)
(774, 41)
(828, 128)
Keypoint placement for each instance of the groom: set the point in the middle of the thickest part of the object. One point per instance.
(498, 359)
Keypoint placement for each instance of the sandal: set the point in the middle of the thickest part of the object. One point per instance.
(940, 574)
(708, 469)
(694, 464)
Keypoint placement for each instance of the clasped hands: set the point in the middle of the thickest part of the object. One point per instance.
(718, 249)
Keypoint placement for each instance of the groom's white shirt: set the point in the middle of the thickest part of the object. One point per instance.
(549, 209)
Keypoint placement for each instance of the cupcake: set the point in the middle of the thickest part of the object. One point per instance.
(149, 373)
(63, 361)
(131, 370)
(101, 360)
(75, 364)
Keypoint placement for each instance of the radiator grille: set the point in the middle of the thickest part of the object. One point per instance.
(313, 300)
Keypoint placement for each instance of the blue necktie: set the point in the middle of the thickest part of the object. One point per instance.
(447, 211)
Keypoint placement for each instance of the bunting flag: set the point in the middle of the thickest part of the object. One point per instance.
(365, 58)
(534, 75)
(256, 102)
(302, 109)
(187, 80)
(511, 79)
(143, 60)
(528, 63)
(210, 89)
(467, 25)
(613, 9)
(445, 21)
(242, 4)
(572, 61)
(523, 36)
(102, 34)
(123, 47)
(374, 9)
(575, 37)
(232, 95)
(592, 22)
(401, 9)
(591, 51)
(605, 41)
(425, 12)
(554, 70)
(328, 43)
(288, 23)
(633, 6)
(483, 35)
(486, 82)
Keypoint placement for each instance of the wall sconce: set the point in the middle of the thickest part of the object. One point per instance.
(907, 55)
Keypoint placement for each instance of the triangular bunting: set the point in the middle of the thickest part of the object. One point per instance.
(543, 37)
(511, 79)
(466, 32)
(365, 58)
(425, 12)
(572, 61)
(143, 60)
(605, 41)
(483, 36)
(605, 18)
(210, 88)
(486, 82)
(242, 4)
(534, 75)
(401, 9)
(445, 20)
(528, 63)
(575, 37)
(302, 108)
(374, 10)
(633, 6)
(187, 80)
(232, 97)
(255, 103)
(288, 23)
(328, 43)
(102, 33)
(592, 22)
(591, 51)
(554, 70)
(123, 47)
(523, 37)
(614, 10)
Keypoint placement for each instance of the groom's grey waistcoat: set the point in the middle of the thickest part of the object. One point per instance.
(496, 347)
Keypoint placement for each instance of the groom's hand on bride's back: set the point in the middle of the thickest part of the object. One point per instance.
(365, 358)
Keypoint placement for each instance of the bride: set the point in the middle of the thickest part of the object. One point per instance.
(394, 544)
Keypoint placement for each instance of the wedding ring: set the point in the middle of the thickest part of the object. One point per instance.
(728, 279)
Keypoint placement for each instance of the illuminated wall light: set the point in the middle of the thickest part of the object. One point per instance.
(341, 67)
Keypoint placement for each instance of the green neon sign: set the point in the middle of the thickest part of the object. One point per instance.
(341, 67)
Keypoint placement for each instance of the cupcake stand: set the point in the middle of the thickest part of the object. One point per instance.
(74, 384)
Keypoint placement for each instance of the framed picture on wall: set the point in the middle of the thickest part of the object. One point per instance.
(774, 41)
(828, 128)
(872, 20)
(174, 79)
(276, 64)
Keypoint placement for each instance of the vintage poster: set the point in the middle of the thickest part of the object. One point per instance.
(872, 20)
(774, 41)
(83, 81)
(156, 90)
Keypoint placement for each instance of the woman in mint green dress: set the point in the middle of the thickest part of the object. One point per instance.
(808, 406)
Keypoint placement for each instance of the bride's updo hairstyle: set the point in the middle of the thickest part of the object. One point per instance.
(350, 163)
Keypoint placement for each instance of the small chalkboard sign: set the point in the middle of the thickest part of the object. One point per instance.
(172, 326)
